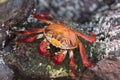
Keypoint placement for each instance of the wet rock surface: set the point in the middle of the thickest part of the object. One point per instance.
(13, 9)
(13, 14)
(5, 72)
(108, 68)
(78, 10)
(110, 25)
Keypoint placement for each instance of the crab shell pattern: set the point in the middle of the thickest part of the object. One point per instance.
(60, 36)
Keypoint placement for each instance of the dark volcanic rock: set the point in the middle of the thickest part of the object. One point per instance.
(5, 72)
(108, 68)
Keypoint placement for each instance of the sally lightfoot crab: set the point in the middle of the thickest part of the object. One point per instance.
(60, 36)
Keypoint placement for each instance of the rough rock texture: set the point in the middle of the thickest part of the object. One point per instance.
(109, 23)
(110, 26)
(12, 13)
(14, 9)
(5, 72)
(75, 10)
(108, 69)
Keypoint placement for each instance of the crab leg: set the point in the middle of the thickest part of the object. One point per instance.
(59, 57)
(91, 38)
(72, 64)
(30, 39)
(86, 62)
(28, 32)
(42, 48)
(43, 17)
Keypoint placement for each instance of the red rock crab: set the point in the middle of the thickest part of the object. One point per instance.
(60, 36)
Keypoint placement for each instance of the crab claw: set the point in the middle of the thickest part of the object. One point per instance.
(59, 57)
(43, 49)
